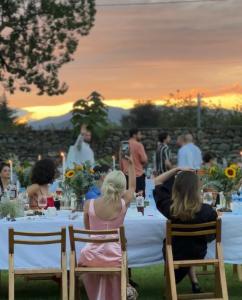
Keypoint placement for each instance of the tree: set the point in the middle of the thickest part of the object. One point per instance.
(37, 37)
(92, 112)
(145, 115)
(7, 118)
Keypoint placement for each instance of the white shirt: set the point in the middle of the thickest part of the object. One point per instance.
(190, 156)
(79, 153)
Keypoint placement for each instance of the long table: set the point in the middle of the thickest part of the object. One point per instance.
(144, 239)
(144, 234)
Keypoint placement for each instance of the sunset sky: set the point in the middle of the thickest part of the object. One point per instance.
(148, 51)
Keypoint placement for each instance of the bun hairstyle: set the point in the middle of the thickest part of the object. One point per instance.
(114, 186)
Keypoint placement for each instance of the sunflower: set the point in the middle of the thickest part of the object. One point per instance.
(79, 167)
(230, 172)
(91, 171)
(234, 166)
(70, 173)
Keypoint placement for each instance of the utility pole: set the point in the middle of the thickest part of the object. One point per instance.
(199, 104)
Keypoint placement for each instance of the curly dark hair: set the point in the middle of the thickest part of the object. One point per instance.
(43, 172)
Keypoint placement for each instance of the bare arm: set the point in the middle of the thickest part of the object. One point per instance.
(85, 215)
(165, 176)
(129, 194)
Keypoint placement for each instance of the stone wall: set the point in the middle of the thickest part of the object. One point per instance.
(28, 144)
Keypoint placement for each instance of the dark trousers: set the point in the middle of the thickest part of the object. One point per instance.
(140, 184)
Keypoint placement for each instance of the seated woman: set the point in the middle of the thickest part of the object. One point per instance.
(178, 198)
(43, 174)
(209, 160)
(4, 178)
(107, 212)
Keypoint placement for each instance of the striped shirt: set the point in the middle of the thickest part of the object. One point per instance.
(163, 154)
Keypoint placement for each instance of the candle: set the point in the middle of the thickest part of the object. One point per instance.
(114, 163)
(63, 165)
(11, 170)
(39, 157)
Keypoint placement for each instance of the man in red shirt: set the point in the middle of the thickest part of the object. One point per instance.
(140, 159)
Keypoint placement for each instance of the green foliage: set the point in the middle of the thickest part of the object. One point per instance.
(225, 180)
(143, 115)
(80, 179)
(7, 118)
(92, 112)
(181, 111)
(37, 38)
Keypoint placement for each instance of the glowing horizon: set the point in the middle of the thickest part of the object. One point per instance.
(228, 101)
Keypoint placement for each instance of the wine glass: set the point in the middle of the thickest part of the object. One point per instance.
(42, 203)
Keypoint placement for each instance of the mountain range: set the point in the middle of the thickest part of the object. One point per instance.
(115, 115)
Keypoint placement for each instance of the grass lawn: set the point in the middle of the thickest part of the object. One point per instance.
(150, 280)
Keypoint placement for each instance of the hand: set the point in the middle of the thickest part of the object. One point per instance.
(178, 170)
(83, 129)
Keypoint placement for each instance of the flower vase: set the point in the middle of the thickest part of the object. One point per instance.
(228, 202)
(80, 202)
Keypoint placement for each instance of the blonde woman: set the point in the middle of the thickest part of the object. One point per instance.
(178, 197)
(107, 212)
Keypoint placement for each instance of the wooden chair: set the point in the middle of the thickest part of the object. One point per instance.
(194, 230)
(59, 237)
(76, 271)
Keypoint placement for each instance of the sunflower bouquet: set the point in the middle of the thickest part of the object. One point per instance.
(223, 179)
(23, 172)
(80, 179)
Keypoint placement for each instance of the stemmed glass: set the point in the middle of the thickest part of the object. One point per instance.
(42, 203)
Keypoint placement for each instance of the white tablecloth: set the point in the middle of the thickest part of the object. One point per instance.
(144, 235)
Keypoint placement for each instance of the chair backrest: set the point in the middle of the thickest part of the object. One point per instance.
(193, 230)
(60, 238)
(108, 236)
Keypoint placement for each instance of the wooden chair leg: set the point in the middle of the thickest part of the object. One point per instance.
(72, 277)
(238, 271)
(11, 278)
(124, 279)
(171, 274)
(64, 278)
(221, 275)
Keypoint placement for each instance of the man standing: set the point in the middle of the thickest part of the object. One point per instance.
(189, 155)
(140, 159)
(81, 152)
(163, 154)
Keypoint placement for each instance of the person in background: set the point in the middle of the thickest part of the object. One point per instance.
(163, 154)
(180, 140)
(209, 160)
(189, 155)
(81, 152)
(106, 212)
(140, 159)
(95, 191)
(181, 203)
(4, 178)
(43, 174)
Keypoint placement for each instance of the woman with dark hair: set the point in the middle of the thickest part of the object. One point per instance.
(4, 177)
(209, 160)
(43, 174)
(178, 197)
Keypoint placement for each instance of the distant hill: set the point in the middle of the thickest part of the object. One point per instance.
(115, 115)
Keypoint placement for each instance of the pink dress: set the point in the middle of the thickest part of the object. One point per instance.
(102, 287)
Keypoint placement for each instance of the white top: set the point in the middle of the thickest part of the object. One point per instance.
(190, 156)
(79, 153)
